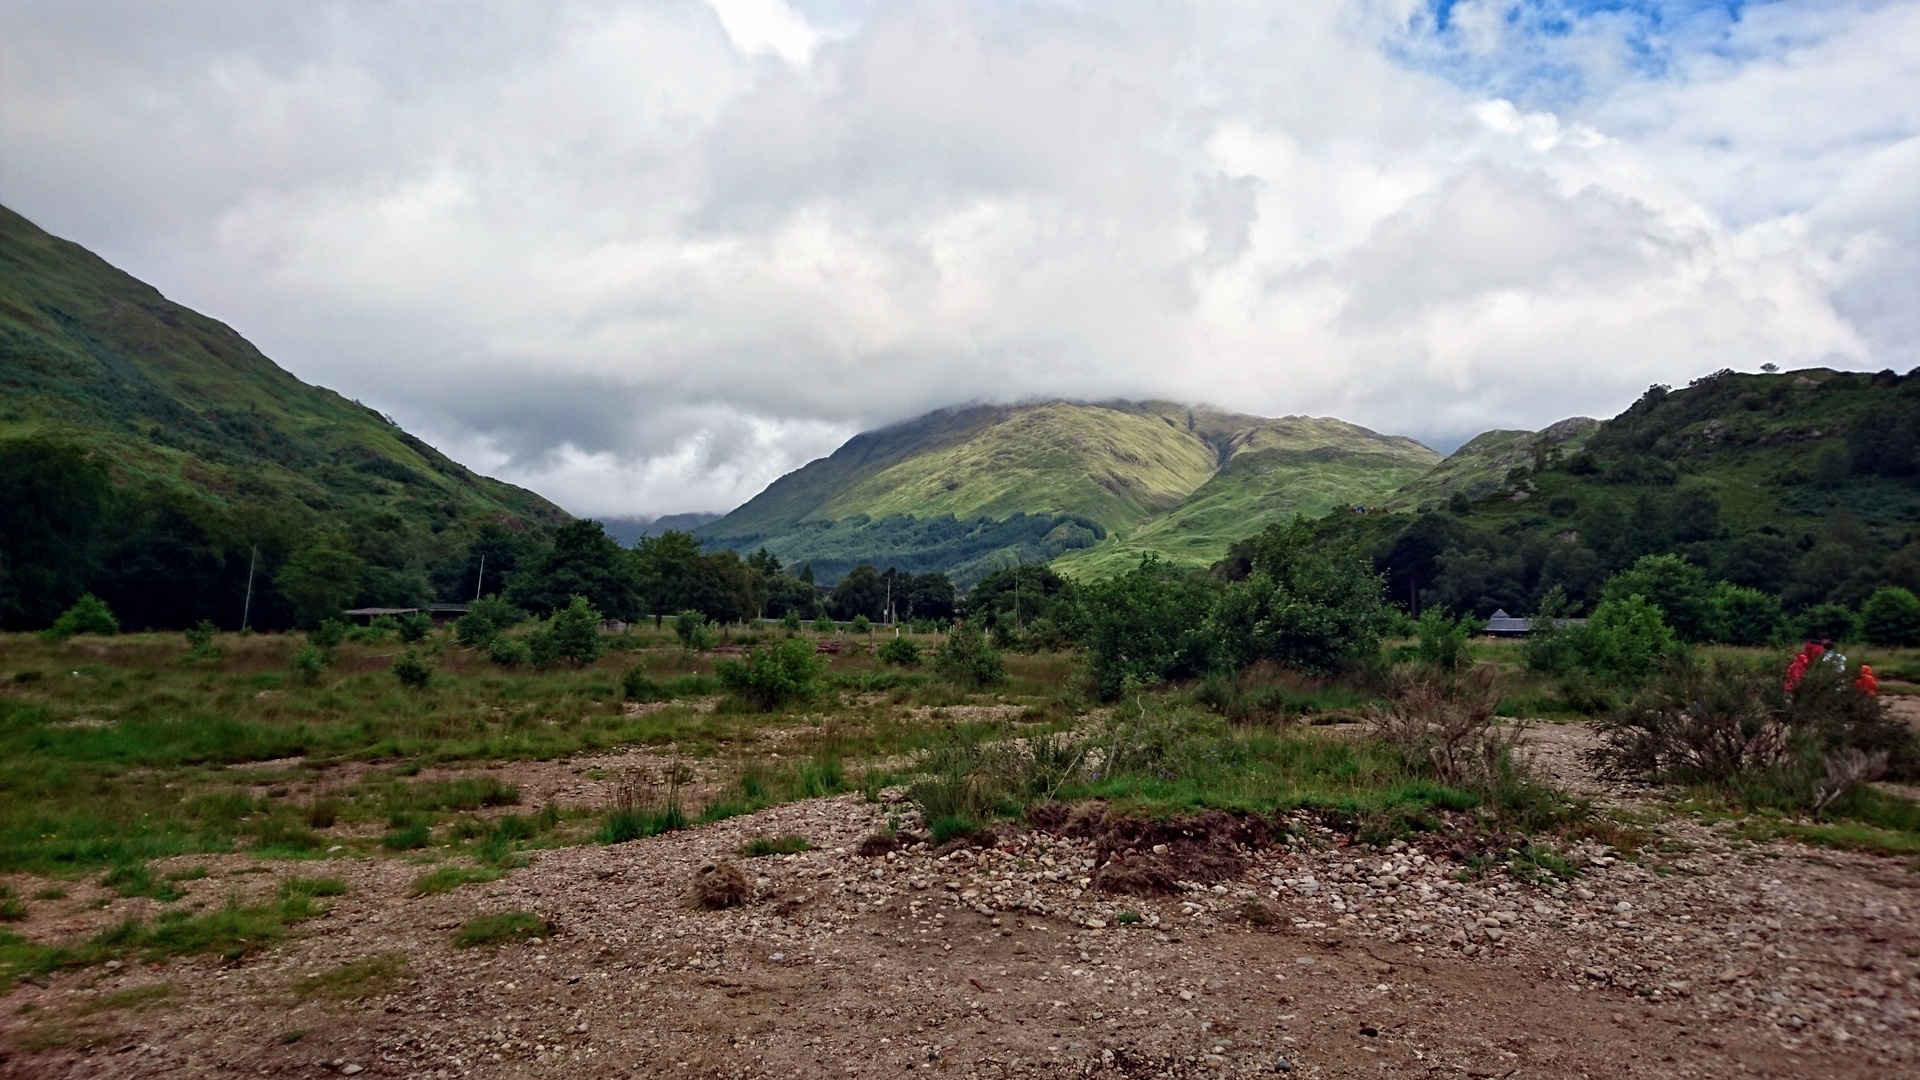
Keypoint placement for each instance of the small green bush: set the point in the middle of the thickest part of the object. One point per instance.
(824, 625)
(414, 627)
(88, 615)
(1891, 617)
(696, 634)
(412, 671)
(328, 635)
(635, 685)
(509, 652)
(899, 650)
(1822, 621)
(966, 659)
(772, 676)
(861, 625)
(498, 612)
(310, 663)
(200, 641)
(790, 622)
(1737, 615)
(1442, 639)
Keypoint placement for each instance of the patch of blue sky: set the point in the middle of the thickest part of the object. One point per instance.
(1557, 53)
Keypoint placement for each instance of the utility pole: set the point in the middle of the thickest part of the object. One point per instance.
(246, 606)
(480, 581)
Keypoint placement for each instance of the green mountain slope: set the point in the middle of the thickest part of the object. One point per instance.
(166, 396)
(966, 491)
(1479, 468)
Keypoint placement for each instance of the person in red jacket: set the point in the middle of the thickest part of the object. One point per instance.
(1797, 670)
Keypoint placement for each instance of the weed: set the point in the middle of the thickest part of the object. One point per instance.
(12, 908)
(137, 879)
(448, 878)
(500, 928)
(288, 1038)
(406, 835)
(132, 999)
(369, 976)
(790, 844)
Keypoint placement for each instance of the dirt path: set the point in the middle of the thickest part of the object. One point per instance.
(1706, 958)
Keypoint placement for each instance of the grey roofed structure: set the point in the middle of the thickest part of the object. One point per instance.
(1505, 625)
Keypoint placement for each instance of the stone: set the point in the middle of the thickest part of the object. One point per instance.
(350, 1070)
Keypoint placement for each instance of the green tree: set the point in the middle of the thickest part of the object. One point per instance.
(1891, 617)
(319, 581)
(571, 636)
(1146, 625)
(1626, 637)
(860, 592)
(1304, 605)
(88, 615)
(1672, 584)
(693, 630)
(583, 561)
(1442, 639)
(53, 501)
(663, 570)
(1737, 615)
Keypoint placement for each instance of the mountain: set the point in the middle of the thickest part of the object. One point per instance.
(969, 490)
(628, 531)
(153, 456)
(1478, 468)
(95, 357)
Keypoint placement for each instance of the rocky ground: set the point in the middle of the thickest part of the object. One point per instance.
(1697, 955)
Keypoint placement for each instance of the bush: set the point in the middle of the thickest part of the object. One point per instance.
(1737, 615)
(966, 659)
(1625, 639)
(1303, 604)
(503, 615)
(474, 630)
(509, 652)
(696, 634)
(415, 626)
(88, 615)
(1147, 625)
(310, 663)
(412, 671)
(861, 625)
(824, 625)
(635, 685)
(1442, 639)
(1891, 617)
(1671, 584)
(1827, 621)
(200, 641)
(790, 622)
(1733, 724)
(720, 885)
(571, 636)
(899, 650)
(328, 635)
(1447, 721)
(773, 676)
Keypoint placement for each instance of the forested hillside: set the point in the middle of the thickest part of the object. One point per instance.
(1802, 486)
(152, 455)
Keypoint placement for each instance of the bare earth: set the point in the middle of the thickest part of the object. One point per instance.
(1709, 957)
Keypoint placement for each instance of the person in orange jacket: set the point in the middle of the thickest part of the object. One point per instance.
(1866, 683)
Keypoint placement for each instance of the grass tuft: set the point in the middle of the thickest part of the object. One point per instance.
(500, 928)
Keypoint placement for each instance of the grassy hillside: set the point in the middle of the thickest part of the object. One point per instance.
(1481, 466)
(93, 357)
(967, 491)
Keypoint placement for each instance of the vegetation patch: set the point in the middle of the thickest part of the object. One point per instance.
(369, 976)
(448, 878)
(760, 846)
(501, 928)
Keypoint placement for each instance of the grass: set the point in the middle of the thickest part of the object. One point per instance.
(501, 928)
(448, 878)
(369, 976)
(790, 844)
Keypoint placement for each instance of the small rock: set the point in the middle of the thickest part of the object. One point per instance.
(1281, 1064)
(350, 1070)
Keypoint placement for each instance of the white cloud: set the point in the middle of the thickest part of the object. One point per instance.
(644, 257)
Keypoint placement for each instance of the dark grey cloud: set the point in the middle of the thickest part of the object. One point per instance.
(646, 256)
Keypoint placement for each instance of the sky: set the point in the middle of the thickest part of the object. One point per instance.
(646, 257)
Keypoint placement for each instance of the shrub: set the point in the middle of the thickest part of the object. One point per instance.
(1303, 604)
(899, 650)
(572, 635)
(415, 626)
(1891, 617)
(200, 641)
(309, 663)
(790, 622)
(1442, 639)
(719, 885)
(1676, 587)
(694, 631)
(636, 686)
(508, 652)
(824, 625)
(88, 615)
(328, 635)
(861, 625)
(966, 659)
(790, 844)
(1737, 615)
(474, 630)
(1733, 724)
(1448, 721)
(773, 676)
(412, 671)
(1147, 625)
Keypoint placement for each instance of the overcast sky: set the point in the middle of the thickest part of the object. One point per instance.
(645, 257)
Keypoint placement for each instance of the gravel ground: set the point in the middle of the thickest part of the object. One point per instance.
(1705, 957)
